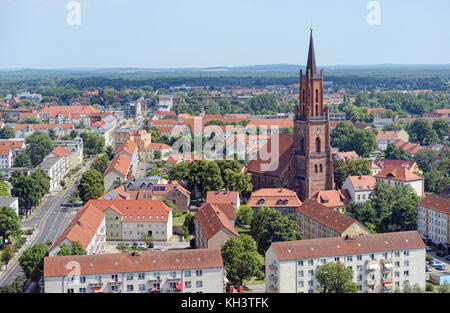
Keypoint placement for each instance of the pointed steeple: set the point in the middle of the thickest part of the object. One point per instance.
(311, 64)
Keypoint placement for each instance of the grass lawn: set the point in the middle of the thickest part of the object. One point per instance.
(178, 221)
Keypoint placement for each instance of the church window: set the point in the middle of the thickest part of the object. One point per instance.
(318, 145)
(321, 168)
(315, 168)
(317, 95)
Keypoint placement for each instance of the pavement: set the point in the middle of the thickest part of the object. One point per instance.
(433, 254)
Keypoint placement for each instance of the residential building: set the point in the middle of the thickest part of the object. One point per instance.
(359, 187)
(173, 271)
(24, 130)
(411, 164)
(345, 156)
(70, 114)
(213, 226)
(433, 219)
(88, 228)
(385, 138)
(55, 168)
(282, 199)
(117, 171)
(224, 196)
(315, 220)
(399, 175)
(380, 262)
(11, 202)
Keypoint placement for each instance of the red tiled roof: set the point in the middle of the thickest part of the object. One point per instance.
(83, 227)
(398, 173)
(386, 135)
(212, 220)
(60, 151)
(272, 196)
(120, 163)
(382, 163)
(157, 146)
(365, 182)
(43, 126)
(128, 146)
(127, 262)
(326, 216)
(334, 198)
(231, 197)
(316, 248)
(271, 123)
(436, 203)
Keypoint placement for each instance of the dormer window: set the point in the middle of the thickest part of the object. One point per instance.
(261, 201)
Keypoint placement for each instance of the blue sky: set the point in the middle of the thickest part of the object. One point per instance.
(206, 33)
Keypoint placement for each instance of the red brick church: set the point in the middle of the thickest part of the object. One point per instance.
(303, 161)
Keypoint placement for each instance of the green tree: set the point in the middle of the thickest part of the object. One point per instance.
(39, 146)
(358, 167)
(364, 142)
(341, 136)
(441, 128)
(435, 181)
(241, 259)
(9, 223)
(91, 186)
(270, 226)
(6, 255)
(421, 130)
(394, 153)
(110, 152)
(237, 181)
(92, 143)
(148, 239)
(340, 173)
(189, 224)
(7, 132)
(32, 261)
(75, 249)
(4, 189)
(445, 288)
(336, 278)
(244, 215)
(101, 164)
(23, 159)
(30, 120)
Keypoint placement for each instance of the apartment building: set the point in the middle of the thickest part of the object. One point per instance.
(87, 228)
(333, 199)
(315, 220)
(433, 219)
(224, 196)
(400, 175)
(359, 187)
(70, 114)
(380, 262)
(173, 271)
(128, 220)
(24, 130)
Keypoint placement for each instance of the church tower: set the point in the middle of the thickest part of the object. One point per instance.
(312, 159)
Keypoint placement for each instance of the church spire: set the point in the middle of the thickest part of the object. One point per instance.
(311, 64)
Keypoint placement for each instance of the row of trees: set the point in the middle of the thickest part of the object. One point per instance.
(202, 176)
(30, 189)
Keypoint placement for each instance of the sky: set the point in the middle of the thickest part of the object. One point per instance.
(209, 33)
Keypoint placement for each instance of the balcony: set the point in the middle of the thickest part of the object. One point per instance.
(173, 290)
(388, 288)
(154, 290)
(115, 282)
(372, 265)
(387, 280)
(273, 277)
(273, 267)
(155, 281)
(371, 282)
(96, 284)
(387, 265)
(174, 280)
(273, 287)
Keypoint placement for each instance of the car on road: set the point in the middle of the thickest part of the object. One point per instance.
(433, 262)
(141, 245)
(429, 249)
(134, 246)
(150, 246)
(156, 249)
(440, 267)
(428, 268)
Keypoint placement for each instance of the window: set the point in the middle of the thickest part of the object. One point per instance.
(199, 283)
(315, 168)
(310, 282)
(300, 283)
(187, 284)
(187, 273)
(349, 258)
(82, 279)
(359, 257)
(359, 267)
(129, 287)
(397, 274)
(405, 273)
(397, 264)
(141, 276)
(70, 290)
(156, 275)
(82, 290)
(360, 277)
(141, 287)
(300, 273)
(406, 263)
(115, 277)
(198, 273)
(318, 145)
(321, 168)
(336, 259)
(300, 263)
(311, 262)
(406, 253)
(129, 276)
(323, 261)
(311, 272)
(173, 274)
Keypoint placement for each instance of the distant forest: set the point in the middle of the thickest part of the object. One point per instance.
(352, 78)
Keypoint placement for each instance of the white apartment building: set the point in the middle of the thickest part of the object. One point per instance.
(399, 175)
(55, 168)
(433, 219)
(359, 187)
(173, 271)
(379, 262)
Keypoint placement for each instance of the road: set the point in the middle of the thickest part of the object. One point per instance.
(433, 254)
(51, 220)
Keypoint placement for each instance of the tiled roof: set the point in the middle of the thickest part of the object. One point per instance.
(212, 220)
(157, 146)
(436, 203)
(271, 123)
(350, 155)
(83, 226)
(43, 126)
(70, 109)
(128, 262)
(274, 197)
(316, 248)
(128, 146)
(382, 163)
(362, 183)
(60, 151)
(326, 216)
(231, 197)
(386, 135)
(120, 163)
(397, 173)
(135, 208)
(333, 198)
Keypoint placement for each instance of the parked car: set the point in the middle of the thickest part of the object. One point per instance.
(156, 249)
(429, 249)
(441, 254)
(428, 268)
(150, 246)
(135, 245)
(440, 267)
(141, 245)
(433, 262)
